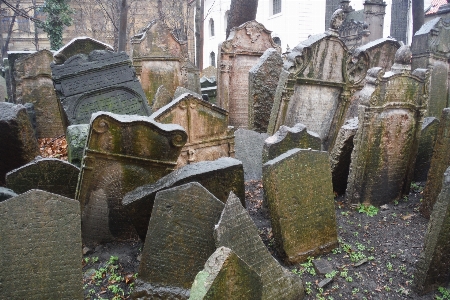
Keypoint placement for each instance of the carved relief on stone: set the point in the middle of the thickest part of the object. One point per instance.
(357, 67)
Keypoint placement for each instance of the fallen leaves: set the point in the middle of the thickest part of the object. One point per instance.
(53, 147)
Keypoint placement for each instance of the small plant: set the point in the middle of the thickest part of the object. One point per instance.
(389, 266)
(360, 246)
(308, 289)
(369, 210)
(345, 213)
(308, 266)
(336, 250)
(355, 291)
(394, 215)
(445, 294)
(331, 274)
(416, 188)
(357, 256)
(395, 202)
(94, 259)
(112, 260)
(115, 289)
(386, 288)
(348, 279)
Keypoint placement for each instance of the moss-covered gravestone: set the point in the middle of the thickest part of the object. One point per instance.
(76, 137)
(299, 194)
(225, 276)
(237, 231)
(179, 241)
(428, 135)
(122, 153)
(40, 251)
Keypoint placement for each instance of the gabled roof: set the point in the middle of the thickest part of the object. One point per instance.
(435, 4)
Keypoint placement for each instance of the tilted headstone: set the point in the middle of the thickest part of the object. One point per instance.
(299, 193)
(237, 232)
(287, 138)
(190, 76)
(179, 241)
(262, 83)
(41, 247)
(237, 55)
(48, 174)
(122, 153)
(433, 266)
(3, 90)
(439, 162)
(226, 276)
(427, 139)
(209, 136)
(10, 69)
(385, 145)
(102, 81)
(249, 146)
(182, 90)
(76, 137)
(162, 98)
(219, 177)
(19, 145)
(5, 193)
(79, 45)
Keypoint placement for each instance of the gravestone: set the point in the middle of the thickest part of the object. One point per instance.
(209, 72)
(190, 76)
(182, 90)
(122, 153)
(209, 136)
(237, 55)
(433, 266)
(226, 276)
(287, 138)
(249, 146)
(427, 139)
(3, 90)
(76, 137)
(48, 174)
(19, 145)
(162, 98)
(179, 241)
(102, 81)
(41, 247)
(79, 45)
(439, 162)
(237, 232)
(10, 69)
(299, 193)
(385, 145)
(5, 194)
(219, 177)
(33, 78)
(262, 83)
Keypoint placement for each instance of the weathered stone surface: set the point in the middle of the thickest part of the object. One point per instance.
(41, 247)
(31, 115)
(433, 267)
(298, 191)
(427, 139)
(439, 162)
(122, 153)
(209, 72)
(179, 241)
(249, 146)
(262, 83)
(19, 145)
(102, 81)
(79, 45)
(5, 193)
(340, 155)
(245, 44)
(76, 137)
(322, 266)
(3, 91)
(219, 177)
(162, 98)
(237, 231)
(190, 77)
(34, 85)
(48, 174)
(287, 138)
(182, 90)
(225, 276)
(209, 136)
(10, 69)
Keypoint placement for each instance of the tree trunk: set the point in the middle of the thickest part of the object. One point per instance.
(10, 29)
(123, 26)
(199, 12)
(417, 14)
(241, 11)
(36, 35)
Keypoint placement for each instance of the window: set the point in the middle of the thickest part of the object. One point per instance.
(212, 58)
(276, 7)
(211, 27)
(23, 23)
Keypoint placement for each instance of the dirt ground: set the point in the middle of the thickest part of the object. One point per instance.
(386, 247)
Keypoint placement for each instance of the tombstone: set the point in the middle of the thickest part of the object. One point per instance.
(10, 69)
(182, 90)
(34, 85)
(226, 276)
(122, 153)
(19, 145)
(5, 193)
(102, 81)
(385, 145)
(209, 72)
(439, 162)
(237, 232)
(245, 45)
(162, 98)
(48, 174)
(219, 177)
(76, 137)
(190, 75)
(209, 136)
(179, 241)
(31, 115)
(209, 88)
(287, 138)
(433, 266)
(3, 90)
(299, 193)
(41, 247)
(79, 45)
(427, 139)
(158, 58)
(262, 82)
(249, 146)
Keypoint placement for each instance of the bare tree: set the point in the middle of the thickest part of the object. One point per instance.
(241, 11)
(10, 30)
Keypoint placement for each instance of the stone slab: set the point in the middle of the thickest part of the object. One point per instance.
(249, 146)
(79, 45)
(76, 137)
(162, 98)
(428, 134)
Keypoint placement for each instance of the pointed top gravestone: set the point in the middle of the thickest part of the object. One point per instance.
(79, 45)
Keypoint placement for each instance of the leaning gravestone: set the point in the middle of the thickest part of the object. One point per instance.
(219, 177)
(162, 98)
(76, 137)
(19, 145)
(102, 81)
(299, 193)
(48, 174)
(79, 45)
(179, 241)
(262, 83)
(10, 69)
(41, 247)
(182, 90)
(428, 136)
(225, 276)
(433, 266)
(287, 138)
(249, 146)
(122, 153)
(190, 77)
(3, 90)
(237, 231)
